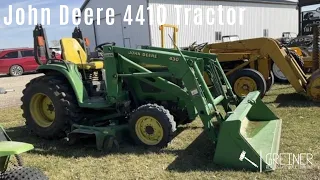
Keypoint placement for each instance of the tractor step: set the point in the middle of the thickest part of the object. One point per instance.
(107, 138)
(95, 102)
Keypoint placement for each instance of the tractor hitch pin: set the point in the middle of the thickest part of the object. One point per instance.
(243, 156)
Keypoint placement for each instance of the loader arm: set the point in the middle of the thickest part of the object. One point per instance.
(180, 67)
(210, 60)
(269, 48)
(251, 129)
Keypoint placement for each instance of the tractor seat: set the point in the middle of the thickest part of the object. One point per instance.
(73, 52)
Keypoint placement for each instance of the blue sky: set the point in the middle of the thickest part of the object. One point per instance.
(308, 8)
(21, 35)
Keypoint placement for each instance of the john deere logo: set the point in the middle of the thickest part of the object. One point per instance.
(143, 54)
(108, 55)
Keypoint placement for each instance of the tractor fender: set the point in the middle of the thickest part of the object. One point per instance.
(71, 74)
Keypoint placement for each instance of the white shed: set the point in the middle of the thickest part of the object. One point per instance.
(245, 18)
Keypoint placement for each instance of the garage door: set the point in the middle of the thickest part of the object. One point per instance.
(110, 33)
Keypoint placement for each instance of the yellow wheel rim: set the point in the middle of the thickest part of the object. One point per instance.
(149, 130)
(313, 89)
(42, 110)
(244, 85)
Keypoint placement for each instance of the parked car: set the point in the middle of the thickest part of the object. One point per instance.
(15, 62)
(287, 37)
(56, 49)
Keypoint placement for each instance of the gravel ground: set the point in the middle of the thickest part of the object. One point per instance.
(16, 83)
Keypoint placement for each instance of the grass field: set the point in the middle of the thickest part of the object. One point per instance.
(189, 156)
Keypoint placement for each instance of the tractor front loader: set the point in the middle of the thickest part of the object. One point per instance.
(145, 94)
(269, 51)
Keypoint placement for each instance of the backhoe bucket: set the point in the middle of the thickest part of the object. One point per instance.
(250, 137)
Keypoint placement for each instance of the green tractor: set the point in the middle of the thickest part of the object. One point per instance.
(145, 94)
(9, 148)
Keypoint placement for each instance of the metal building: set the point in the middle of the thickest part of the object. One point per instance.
(259, 18)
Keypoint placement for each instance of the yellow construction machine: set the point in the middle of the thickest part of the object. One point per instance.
(306, 58)
(248, 65)
(260, 54)
(303, 46)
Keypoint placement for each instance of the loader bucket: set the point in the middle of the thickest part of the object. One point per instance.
(250, 137)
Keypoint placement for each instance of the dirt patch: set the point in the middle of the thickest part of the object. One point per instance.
(16, 83)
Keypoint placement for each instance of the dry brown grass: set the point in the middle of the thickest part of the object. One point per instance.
(189, 156)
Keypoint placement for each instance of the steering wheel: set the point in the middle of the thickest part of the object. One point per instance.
(287, 49)
(99, 47)
(201, 46)
(194, 43)
(192, 46)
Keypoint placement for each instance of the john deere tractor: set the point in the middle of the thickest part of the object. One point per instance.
(9, 149)
(145, 95)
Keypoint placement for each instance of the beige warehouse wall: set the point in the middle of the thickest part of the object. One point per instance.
(276, 18)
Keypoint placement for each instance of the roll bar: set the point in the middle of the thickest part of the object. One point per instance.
(41, 47)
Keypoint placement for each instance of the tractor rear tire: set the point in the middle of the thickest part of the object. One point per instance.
(244, 81)
(152, 125)
(23, 173)
(49, 106)
(278, 75)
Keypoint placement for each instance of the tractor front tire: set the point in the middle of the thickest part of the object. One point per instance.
(23, 173)
(245, 81)
(152, 125)
(49, 106)
(270, 81)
